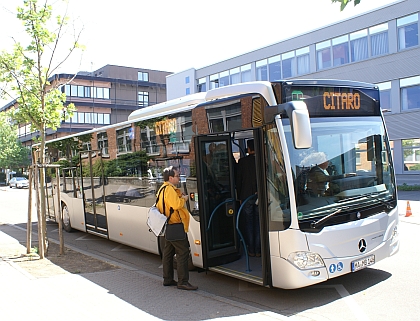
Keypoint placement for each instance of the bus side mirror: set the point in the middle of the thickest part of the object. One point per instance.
(298, 114)
(301, 128)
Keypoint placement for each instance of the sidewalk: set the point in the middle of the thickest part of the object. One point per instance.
(120, 294)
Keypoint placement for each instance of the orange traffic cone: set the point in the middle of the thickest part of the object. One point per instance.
(408, 211)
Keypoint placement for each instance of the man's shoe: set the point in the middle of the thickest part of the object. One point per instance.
(172, 283)
(251, 254)
(187, 287)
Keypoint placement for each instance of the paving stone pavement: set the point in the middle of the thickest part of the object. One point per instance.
(118, 293)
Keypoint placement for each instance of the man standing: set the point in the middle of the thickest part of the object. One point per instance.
(173, 199)
(246, 186)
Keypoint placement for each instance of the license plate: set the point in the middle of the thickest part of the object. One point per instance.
(362, 263)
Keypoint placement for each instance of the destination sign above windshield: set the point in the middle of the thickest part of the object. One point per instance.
(336, 102)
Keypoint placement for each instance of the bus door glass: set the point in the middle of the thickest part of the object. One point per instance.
(217, 201)
(93, 193)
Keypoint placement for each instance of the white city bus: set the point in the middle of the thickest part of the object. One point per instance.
(307, 236)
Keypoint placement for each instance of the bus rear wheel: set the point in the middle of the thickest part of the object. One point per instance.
(66, 218)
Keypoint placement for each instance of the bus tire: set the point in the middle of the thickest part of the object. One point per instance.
(66, 218)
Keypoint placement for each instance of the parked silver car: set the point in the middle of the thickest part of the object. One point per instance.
(19, 182)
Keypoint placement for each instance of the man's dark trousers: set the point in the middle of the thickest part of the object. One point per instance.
(182, 250)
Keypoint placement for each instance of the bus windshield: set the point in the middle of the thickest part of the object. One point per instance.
(346, 172)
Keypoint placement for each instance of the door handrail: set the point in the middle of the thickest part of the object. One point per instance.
(239, 232)
(215, 209)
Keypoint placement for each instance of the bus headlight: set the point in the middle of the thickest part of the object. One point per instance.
(306, 260)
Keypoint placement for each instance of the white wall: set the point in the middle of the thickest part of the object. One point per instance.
(176, 84)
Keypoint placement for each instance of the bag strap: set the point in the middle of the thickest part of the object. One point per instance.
(163, 204)
(157, 198)
(171, 210)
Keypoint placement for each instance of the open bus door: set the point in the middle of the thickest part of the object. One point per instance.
(217, 201)
(221, 220)
(93, 194)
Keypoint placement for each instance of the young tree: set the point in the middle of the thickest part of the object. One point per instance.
(345, 2)
(12, 153)
(26, 72)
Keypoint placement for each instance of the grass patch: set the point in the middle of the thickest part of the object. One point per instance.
(405, 187)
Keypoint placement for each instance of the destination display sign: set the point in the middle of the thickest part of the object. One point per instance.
(336, 102)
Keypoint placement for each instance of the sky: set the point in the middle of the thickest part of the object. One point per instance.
(173, 36)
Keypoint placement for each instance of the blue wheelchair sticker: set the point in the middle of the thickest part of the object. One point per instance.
(332, 268)
(340, 266)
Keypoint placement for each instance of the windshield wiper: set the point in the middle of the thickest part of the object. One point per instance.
(387, 204)
(326, 218)
(370, 195)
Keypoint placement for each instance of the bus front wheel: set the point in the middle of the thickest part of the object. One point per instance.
(66, 218)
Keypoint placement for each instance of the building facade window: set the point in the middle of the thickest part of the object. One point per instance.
(411, 152)
(214, 81)
(246, 73)
(379, 40)
(187, 91)
(187, 79)
(142, 76)
(385, 95)
(359, 45)
(224, 78)
(104, 119)
(288, 64)
(124, 140)
(302, 60)
(408, 31)
(410, 93)
(261, 70)
(143, 98)
(353, 47)
(340, 48)
(89, 118)
(103, 143)
(86, 91)
(235, 76)
(323, 54)
(274, 68)
(202, 87)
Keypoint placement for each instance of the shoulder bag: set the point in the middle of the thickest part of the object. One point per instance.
(175, 232)
(156, 221)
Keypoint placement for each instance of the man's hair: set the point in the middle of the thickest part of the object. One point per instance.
(169, 171)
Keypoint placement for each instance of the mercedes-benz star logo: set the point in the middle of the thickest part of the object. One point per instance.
(362, 245)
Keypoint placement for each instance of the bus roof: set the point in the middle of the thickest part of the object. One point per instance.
(330, 83)
(174, 105)
(190, 101)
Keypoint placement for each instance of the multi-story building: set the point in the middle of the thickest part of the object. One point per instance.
(102, 97)
(380, 47)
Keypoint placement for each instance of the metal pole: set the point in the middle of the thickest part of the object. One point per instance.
(43, 196)
(38, 209)
(29, 225)
(60, 213)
